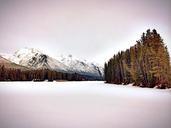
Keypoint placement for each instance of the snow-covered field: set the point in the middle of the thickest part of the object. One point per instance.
(82, 105)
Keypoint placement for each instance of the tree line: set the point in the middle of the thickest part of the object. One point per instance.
(9, 74)
(146, 64)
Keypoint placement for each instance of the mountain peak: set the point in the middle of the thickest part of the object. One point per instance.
(33, 58)
(26, 51)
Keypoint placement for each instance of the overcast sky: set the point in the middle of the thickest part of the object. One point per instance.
(88, 29)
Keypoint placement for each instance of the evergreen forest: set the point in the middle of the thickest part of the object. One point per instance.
(146, 64)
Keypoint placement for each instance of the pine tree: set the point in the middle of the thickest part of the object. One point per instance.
(146, 64)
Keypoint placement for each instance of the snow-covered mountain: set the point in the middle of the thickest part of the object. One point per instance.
(81, 66)
(8, 64)
(33, 58)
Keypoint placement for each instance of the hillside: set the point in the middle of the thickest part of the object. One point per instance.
(35, 59)
(8, 64)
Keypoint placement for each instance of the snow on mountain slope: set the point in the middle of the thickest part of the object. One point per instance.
(8, 64)
(36, 59)
(81, 66)
(6, 55)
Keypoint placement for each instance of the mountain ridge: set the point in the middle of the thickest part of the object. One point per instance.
(35, 59)
(8, 64)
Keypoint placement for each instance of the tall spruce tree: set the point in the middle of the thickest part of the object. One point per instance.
(146, 64)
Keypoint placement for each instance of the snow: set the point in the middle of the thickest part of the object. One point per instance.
(32, 58)
(81, 66)
(25, 57)
(82, 105)
(6, 55)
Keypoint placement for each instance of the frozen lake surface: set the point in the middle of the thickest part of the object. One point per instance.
(82, 105)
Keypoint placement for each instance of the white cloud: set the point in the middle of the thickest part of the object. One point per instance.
(92, 30)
